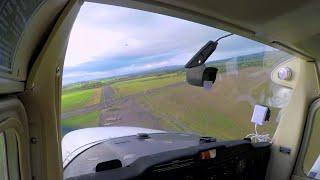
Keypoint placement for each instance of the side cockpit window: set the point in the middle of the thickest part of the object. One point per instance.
(311, 165)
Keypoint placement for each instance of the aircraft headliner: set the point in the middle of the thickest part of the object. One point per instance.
(291, 25)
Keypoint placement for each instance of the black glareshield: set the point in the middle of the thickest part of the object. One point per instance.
(202, 55)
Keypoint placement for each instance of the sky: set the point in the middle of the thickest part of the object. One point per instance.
(108, 41)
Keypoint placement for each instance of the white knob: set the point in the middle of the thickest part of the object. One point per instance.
(285, 73)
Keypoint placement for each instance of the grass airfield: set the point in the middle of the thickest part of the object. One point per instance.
(165, 101)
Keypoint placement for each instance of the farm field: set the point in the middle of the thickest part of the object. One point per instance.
(81, 98)
(143, 84)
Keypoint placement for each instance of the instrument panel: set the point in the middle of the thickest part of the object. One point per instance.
(170, 156)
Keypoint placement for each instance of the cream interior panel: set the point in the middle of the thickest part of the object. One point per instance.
(290, 129)
(13, 116)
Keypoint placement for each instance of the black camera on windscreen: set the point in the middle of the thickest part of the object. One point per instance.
(197, 74)
(201, 76)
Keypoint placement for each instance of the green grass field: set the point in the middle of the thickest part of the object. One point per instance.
(215, 113)
(202, 113)
(185, 113)
(78, 99)
(138, 85)
(93, 84)
(90, 119)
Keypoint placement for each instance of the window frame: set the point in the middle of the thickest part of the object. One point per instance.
(307, 133)
(13, 121)
(11, 154)
(12, 147)
(5, 155)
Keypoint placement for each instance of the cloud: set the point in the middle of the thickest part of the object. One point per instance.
(91, 75)
(109, 31)
(109, 40)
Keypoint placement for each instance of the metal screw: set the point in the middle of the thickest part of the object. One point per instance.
(33, 140)
(58, 71)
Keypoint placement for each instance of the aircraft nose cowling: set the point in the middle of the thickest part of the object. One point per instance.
(77, 141)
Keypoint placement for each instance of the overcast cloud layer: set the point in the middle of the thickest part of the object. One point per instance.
(109, 40)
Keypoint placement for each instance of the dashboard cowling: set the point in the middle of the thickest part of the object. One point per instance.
(172, 156)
